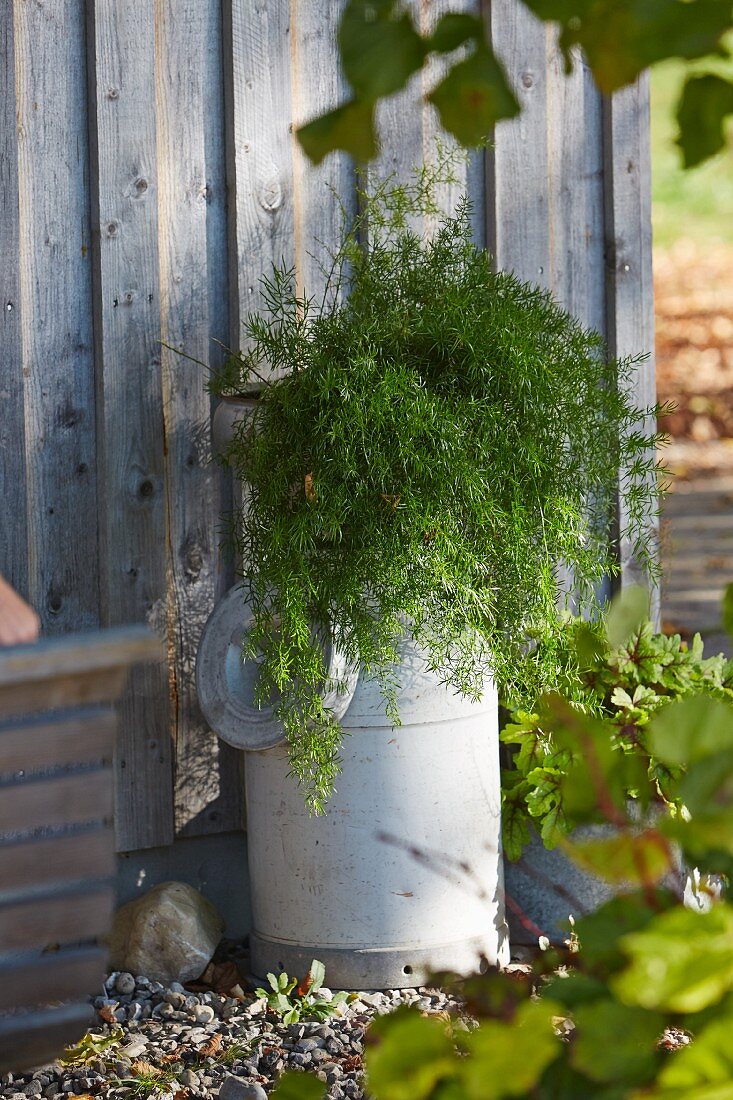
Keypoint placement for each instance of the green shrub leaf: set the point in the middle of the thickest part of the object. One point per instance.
(689, 729)
(681, 962)
(299, 1086)
(628, 611)
(613, 1042)
(708, 1060)
(411, 1055)
(627, 858)
(508, 1059)
(620, 40)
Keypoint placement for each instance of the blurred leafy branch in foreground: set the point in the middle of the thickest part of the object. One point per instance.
(594, 1019)
(381, 48)
(622, 678)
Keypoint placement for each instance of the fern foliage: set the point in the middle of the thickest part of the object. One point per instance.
(443, 437)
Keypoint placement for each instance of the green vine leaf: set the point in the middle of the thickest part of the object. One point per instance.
(380, 47)
(349, 127)
(705, 105)
(621, 38)
(473, 97)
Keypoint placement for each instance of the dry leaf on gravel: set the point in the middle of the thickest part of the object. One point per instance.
(140, 1067)
(107, 1013)
(173, 1056)
(222, 978)
(208, 1050)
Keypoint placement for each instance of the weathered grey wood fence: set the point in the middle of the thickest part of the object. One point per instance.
(148, 176)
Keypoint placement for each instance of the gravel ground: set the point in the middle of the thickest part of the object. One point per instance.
(174, 1044)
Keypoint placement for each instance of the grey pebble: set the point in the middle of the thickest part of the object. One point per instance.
(305, 1046)
(134, 1048)
(203, 1014)
(235, 1089)
(125, 983)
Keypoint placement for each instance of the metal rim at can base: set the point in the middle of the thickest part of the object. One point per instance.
(371, 968)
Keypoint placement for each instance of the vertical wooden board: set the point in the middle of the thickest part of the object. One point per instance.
(13, 536)
(575, 159)
(230, 811)
(518, 191)
(260, 149)
(207, 795)
(133, 524)
(322, 195)
(213, 64)
(630, 294)
(55, 293)
(409, 129)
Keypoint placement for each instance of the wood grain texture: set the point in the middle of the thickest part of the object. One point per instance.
(229, 811)
(629, 285)
(38, 744)
(323, 196)
(518, 194)
(575, 163)
(56, 321)
(207, 796)
(261, 152)
(14, 535)
(133, 521)
(409, 129)
(61, 976)
(58, 800)
(69, 918)
(82, 855)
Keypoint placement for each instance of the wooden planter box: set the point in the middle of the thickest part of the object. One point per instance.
(57, 854)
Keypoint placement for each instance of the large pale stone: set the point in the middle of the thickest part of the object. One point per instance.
(168, 934)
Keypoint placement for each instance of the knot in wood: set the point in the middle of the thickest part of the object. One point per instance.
(270, 195)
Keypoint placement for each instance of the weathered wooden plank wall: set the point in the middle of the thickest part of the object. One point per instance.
(160, 179)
